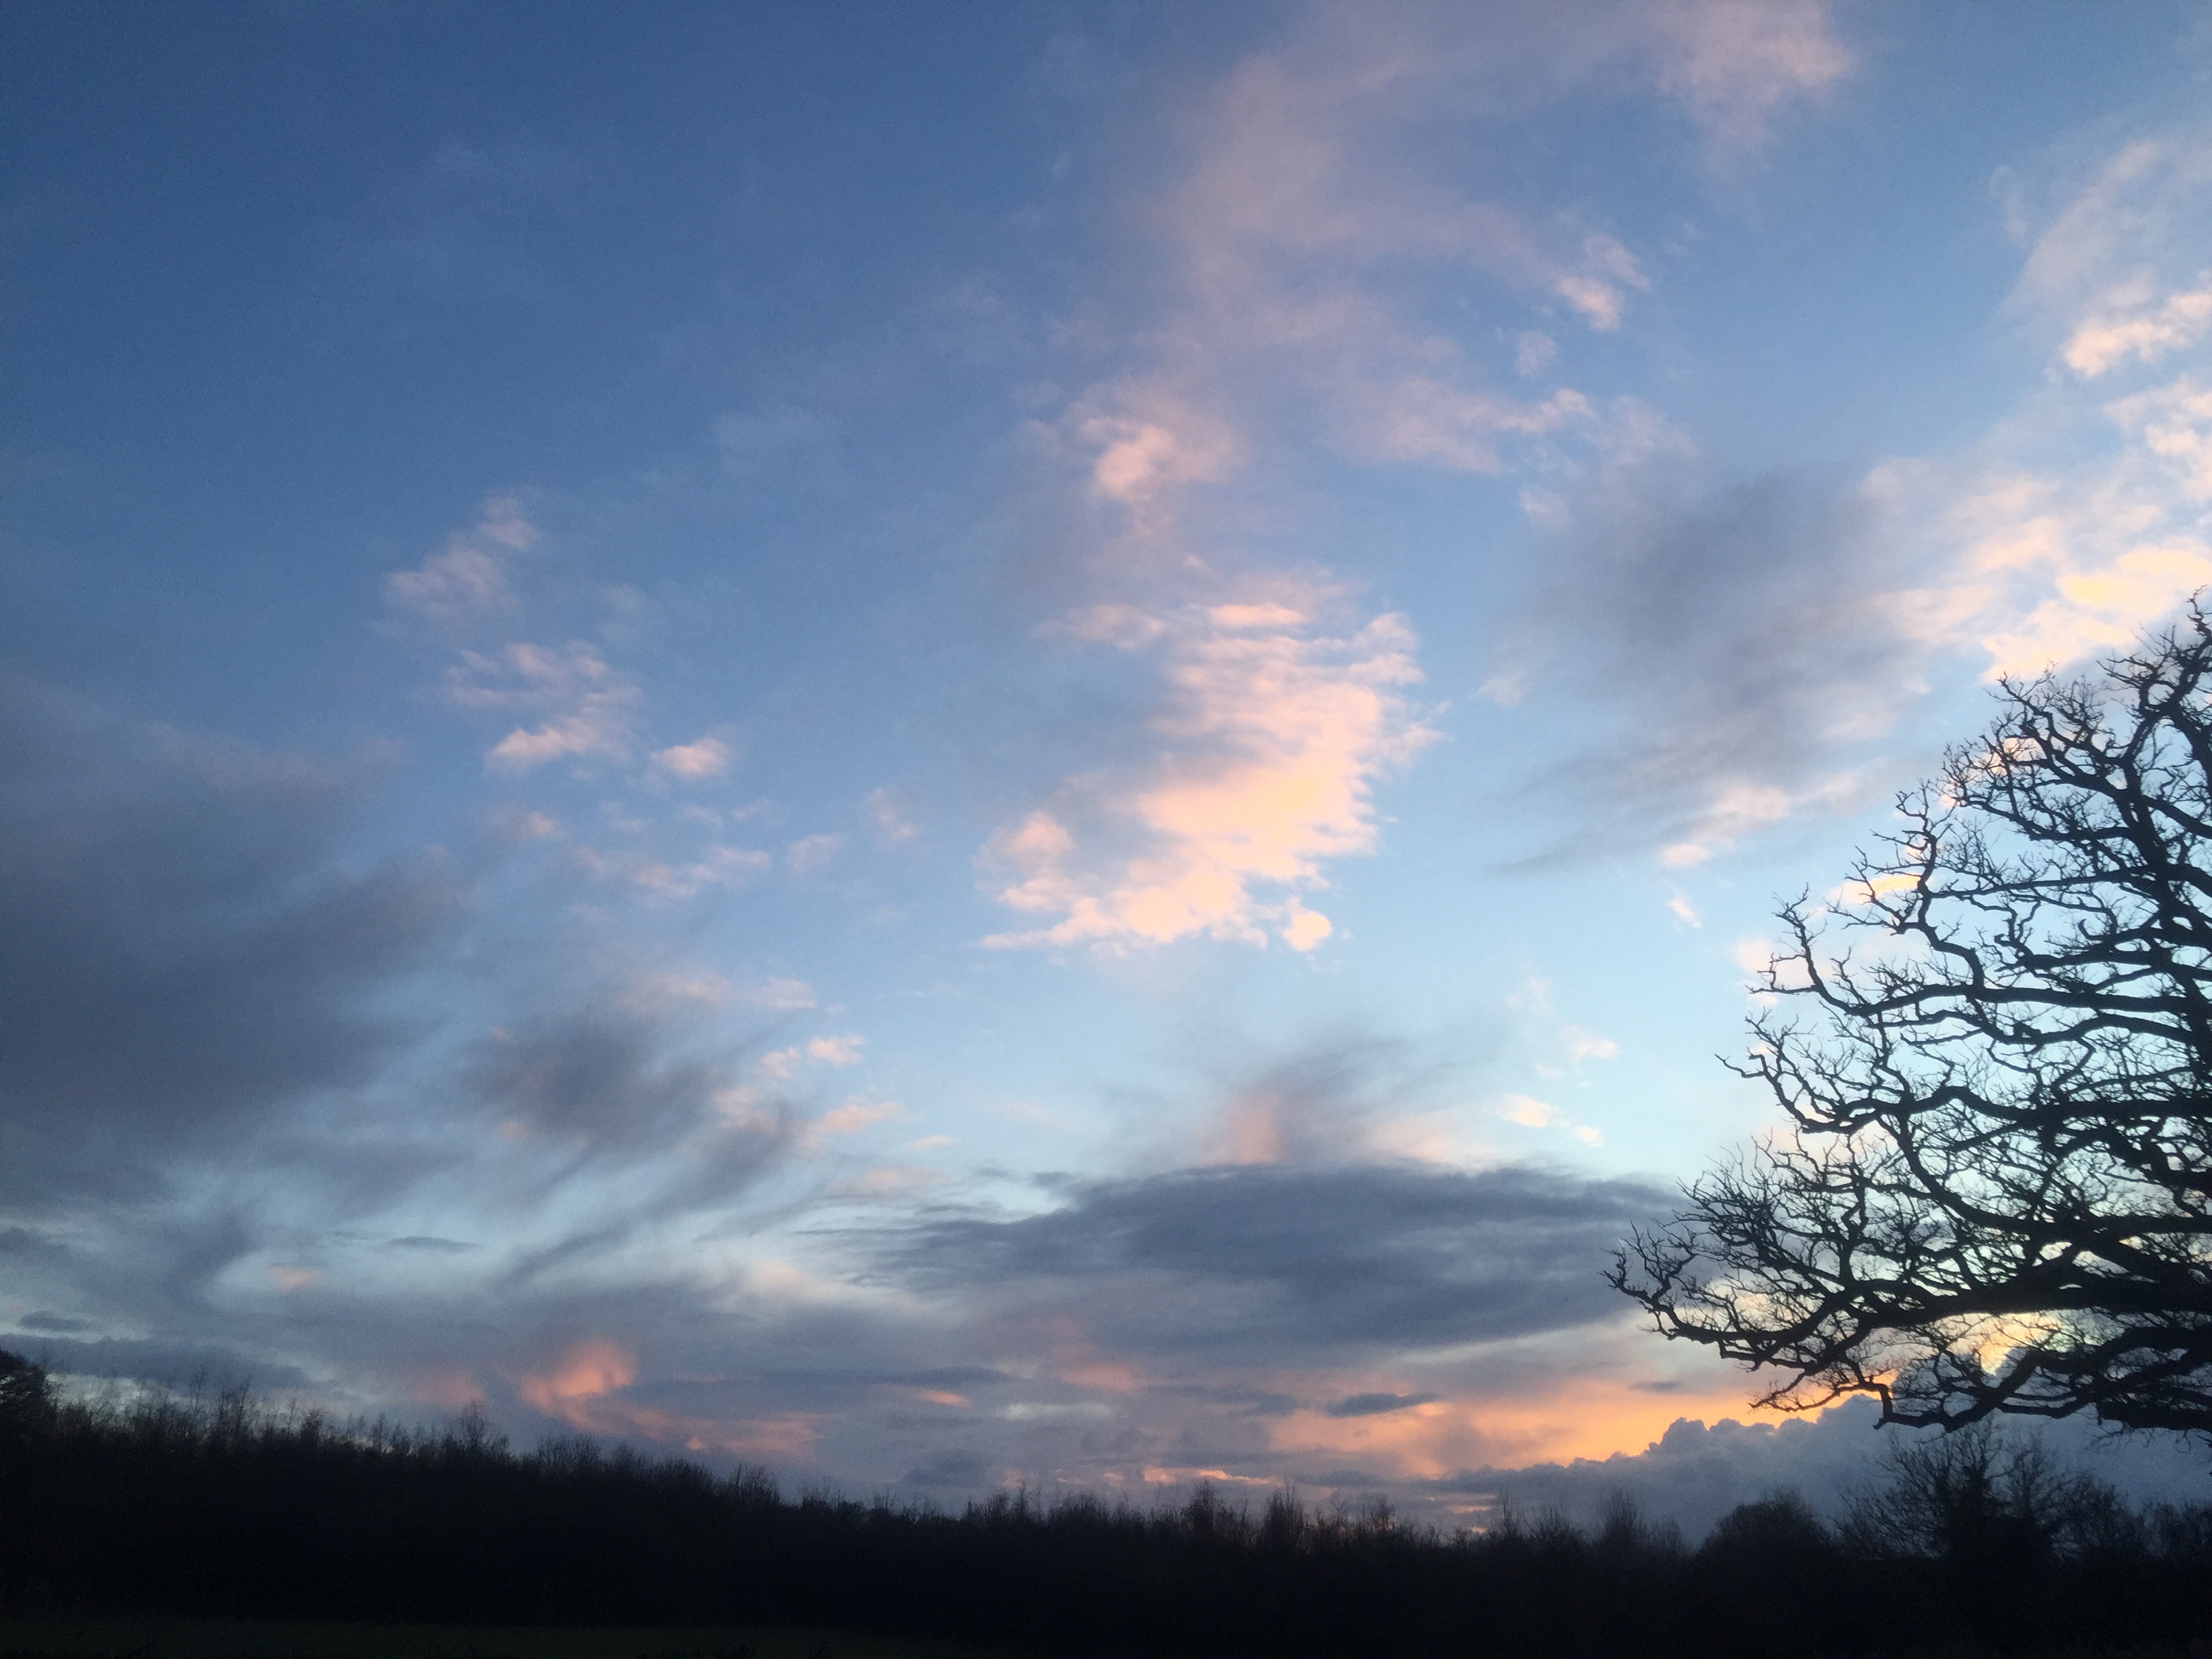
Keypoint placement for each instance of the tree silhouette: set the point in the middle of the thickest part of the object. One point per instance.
(1997, 1192)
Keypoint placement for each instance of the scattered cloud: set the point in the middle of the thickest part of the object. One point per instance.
(708, 757)
(850, 1117)
(588, 706)
(469, 579)
(1759, 644)
(1533, 1114)
(888, 813)
(719, 866)
(1737, 65)
(786, 995)
(2052, 563)
(832, 1051)
(2135, 320)
(810, 854)
(1309, 192)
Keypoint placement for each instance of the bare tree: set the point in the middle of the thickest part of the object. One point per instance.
(1998, 1195)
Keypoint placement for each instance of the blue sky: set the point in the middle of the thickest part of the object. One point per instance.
(951, 744)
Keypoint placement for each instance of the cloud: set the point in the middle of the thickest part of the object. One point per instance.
(888, 813)
(588, 706)
(709, 757)
(1374, 1405)
(1754, 647)
(1315, 175)
(1533, 1114)
(1752, 644)
(812, 852)
(1278, 1264)
(835, 1051)
(2136, 321)
(1735, 65)
(2044, 562)
(1695, 1472)
(185, 949)
(466, 227)
(1332, 1100)
(786, 995)
(1271, 736)
(1313, 187)
(469, 579)
(717, 866)
(856, 1115)
(588, 1370)
(595, 1078)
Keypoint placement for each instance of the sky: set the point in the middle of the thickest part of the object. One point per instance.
(956, 745)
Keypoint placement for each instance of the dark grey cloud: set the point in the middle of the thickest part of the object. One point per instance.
(1271, 1263)
(593, 1076)
(210, 1077)
(1240, 1401)
(180, 1365)
(1375, 1405)
(957, 1467)
(183, 945)
(58, 1324)
(1744, 636)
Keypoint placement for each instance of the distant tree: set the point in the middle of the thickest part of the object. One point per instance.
(26, 1398)
(1986, 1501)
(1998, 1195)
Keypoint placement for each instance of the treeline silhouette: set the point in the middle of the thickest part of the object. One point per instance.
(216, 1503)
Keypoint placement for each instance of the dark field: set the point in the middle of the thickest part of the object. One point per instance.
(219, 1639)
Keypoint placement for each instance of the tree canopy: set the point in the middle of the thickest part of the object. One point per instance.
(1993, 1046)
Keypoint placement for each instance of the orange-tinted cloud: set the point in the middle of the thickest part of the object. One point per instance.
(1567, 1417)
(1270, 739)
(588, 1370)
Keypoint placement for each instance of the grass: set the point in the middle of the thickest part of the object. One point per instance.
(229, 1638)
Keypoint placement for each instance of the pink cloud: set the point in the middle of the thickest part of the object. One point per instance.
(587, 1372)
(588, 706)
(469, 578)
(709, 757)
(1271, 736)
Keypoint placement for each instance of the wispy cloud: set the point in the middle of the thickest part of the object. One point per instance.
(1533, 1114)
(1285, 324)
(188, 951)
(588, 706)
(1760, 645)
(719, 864)
(2089, 516)
(851, 1118)
(811, 854)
